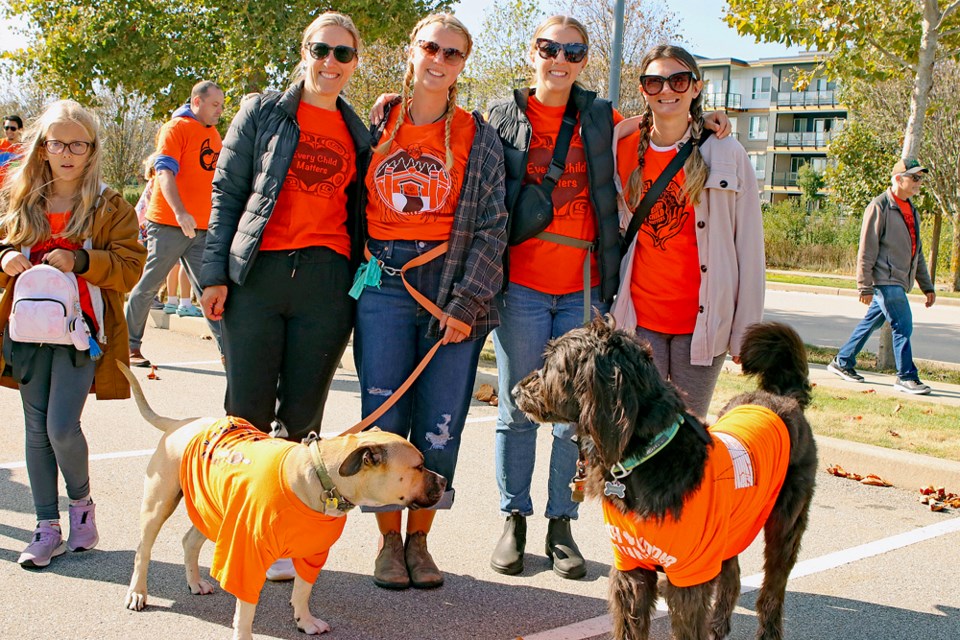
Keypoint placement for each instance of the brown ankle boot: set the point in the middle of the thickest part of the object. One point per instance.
(390, 569)
(424, 573)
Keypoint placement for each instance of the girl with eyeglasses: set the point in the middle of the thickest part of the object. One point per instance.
(285, 236)
(556, 279)
(693, 277)
(55, 210)
(435, 180)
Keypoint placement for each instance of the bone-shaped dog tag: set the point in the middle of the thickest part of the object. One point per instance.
(615, 488)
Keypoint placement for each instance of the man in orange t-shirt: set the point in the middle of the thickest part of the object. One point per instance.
(10, 149)
(188, 146)
(742, 478)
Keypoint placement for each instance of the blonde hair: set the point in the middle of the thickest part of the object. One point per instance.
(563, 22)
(695, 169)
(327, 19)
(450, 22)
(24, 197)
(149, 165)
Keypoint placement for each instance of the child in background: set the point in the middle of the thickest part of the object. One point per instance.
(54, 208)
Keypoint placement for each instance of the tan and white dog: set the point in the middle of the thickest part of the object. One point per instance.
(371, 468)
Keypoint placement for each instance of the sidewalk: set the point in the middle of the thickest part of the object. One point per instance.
(903, 469)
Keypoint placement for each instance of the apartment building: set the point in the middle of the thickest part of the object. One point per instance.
(781, 127)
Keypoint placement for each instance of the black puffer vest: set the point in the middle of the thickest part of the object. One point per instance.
(509, 119)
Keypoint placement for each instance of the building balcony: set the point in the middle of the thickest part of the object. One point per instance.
(788, 180)
(722, 101)
(802, 139)
(804, 99)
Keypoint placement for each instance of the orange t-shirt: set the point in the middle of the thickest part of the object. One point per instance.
(907, 212)
(196, 149)
(546, 266)
(236, 495)
(665, 286)
(311, 209)
(744, 472)
(410, 193)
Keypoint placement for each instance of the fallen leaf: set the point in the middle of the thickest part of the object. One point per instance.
(485, 393)
(897, 408)
(893, 434)
(869, 391)
(153, 373)
(937, 506)
(874, 480)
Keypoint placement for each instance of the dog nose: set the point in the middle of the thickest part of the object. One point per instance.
(435, 486)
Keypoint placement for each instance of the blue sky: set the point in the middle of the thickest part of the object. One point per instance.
(707, 35)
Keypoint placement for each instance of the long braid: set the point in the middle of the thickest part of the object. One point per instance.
(695, 169)
(451, 110)
(635, 183)
(384, 147)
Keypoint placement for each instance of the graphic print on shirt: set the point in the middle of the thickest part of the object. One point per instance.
(667, 216)
(208, 157)
(412, 181)
(570, 195)
(319, 165)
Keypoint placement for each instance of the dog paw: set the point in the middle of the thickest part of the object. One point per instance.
(312, 626)
(201, 588)
(135, 601)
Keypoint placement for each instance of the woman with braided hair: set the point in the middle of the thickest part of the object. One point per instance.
(435, 180)
(693, 277)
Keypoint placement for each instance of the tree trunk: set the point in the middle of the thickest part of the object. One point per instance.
(885, 359)
(920, 96)
(935, 246)
(955, 255)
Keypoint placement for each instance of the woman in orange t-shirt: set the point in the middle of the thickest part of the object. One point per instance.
(436, 176)
(285, 235)
(692, 280)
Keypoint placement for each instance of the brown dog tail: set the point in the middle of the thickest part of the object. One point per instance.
(160, 422)
(775, 353)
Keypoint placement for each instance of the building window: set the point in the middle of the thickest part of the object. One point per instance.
(761, 88)
(758, 128)
(759, 162)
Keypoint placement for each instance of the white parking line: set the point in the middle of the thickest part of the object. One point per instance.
(601, 624)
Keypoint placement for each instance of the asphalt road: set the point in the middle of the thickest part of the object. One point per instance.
(875, 564)
(827, 321)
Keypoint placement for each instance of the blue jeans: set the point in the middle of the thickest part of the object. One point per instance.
(390, 340)
(528, 320)
(889, 303)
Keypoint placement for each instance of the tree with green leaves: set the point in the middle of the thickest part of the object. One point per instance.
(160, 49)
(810, 182)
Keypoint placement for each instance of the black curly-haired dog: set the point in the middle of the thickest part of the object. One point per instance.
(659, 470)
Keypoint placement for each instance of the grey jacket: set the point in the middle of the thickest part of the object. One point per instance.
(252, 167)
(885, 256)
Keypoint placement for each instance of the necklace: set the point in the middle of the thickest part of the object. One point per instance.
(410, 117)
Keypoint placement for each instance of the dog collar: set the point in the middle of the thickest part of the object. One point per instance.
(332, 499)
(625, 467)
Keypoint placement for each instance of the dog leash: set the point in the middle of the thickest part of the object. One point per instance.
(427, 304)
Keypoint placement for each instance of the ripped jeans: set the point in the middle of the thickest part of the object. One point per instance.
(390, 340)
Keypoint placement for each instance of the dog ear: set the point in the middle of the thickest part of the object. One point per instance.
(608, 404)
(371, 455)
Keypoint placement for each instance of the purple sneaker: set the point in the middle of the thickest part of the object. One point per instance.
(47, 543)
(83, 528)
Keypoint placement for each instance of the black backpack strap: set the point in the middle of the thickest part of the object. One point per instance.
(559, 162)
(653, 193)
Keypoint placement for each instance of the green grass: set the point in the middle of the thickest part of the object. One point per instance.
(833, 282)
(865, 416)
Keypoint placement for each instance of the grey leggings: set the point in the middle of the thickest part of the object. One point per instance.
(53, 400)
(671, 355)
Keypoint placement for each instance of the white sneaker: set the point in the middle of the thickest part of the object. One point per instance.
(914, 387)
(281, 570)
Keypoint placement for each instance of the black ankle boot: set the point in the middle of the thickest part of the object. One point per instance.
(562, 550)
(507, 557)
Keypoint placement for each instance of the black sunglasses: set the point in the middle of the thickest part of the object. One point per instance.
(12, 128)
(341, 52)
(572, 51)
(679, 82)
(449, 53)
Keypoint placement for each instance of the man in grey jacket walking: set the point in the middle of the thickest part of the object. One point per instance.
(889, 260)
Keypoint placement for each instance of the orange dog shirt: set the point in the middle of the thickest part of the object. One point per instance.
(743, 476)
(236, 495)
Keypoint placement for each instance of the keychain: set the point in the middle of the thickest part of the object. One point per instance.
(576, 487)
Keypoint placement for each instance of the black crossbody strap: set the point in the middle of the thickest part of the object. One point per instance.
(559, 162)
(653, 193)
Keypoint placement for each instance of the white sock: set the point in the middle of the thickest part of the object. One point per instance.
(172, 300)
(185, 303)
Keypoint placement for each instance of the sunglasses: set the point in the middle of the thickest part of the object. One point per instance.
(449, 54)
(77, 147)
(572, 51)
(12, 128)
(341, 52)
(916, 177)
(679, 82)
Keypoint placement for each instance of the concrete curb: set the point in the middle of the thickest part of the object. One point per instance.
(903, 469)
(852, 293)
